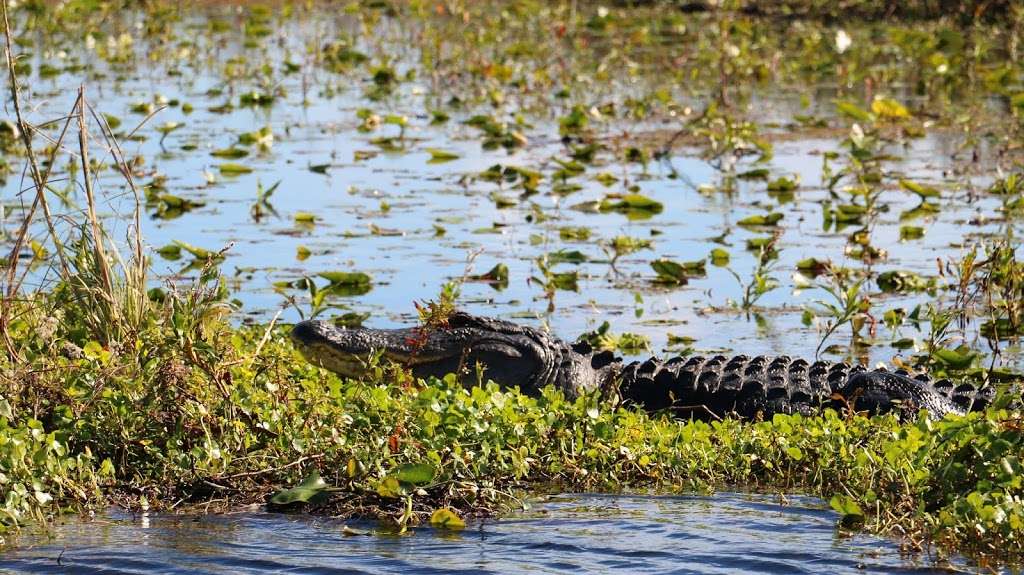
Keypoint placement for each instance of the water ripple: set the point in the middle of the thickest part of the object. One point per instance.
(726, 533)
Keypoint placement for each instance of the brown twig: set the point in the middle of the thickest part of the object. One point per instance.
(273, 469)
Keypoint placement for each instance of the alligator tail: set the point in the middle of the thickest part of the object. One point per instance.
(716, 387)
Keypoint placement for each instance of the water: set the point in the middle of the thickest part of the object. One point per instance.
(380, 211)
(726, 533)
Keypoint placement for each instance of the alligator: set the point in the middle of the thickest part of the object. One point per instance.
(696, 387)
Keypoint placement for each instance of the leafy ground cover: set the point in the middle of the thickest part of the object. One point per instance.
(120, 387)
(195, 414)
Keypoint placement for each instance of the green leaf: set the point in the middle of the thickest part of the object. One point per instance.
(853, 111)
(311, 490)
(782, 184)
(96, 352)
(438, 156)
(390, 487)
(670, 272)
(755, 174)
(231, 153)
(499, 273)
(231, 169)
(579, 233)
(901, 281)
(911, 232)
(761, 220)
(197, 252)
(720, 257)
(849, 509)
(416, 473)
(168, 127)
(813, 265)
(445, 518)
(635, 204)
(920, 190)
(567, 256)
(758, 244)
(113, 122)
(346, 278)
(961, 358)
(170, 251)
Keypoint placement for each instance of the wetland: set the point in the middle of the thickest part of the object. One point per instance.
(183, 182)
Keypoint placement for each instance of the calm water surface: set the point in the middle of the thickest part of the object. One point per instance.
(412, 224)
(727, 533)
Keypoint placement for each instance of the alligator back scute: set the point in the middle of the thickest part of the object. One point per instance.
(719, 386)
(715, 387)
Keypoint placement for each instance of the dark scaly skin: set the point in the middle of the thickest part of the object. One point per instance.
(697, 387)
(715, 387)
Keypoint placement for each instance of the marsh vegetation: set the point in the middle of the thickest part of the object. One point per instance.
(182, 182)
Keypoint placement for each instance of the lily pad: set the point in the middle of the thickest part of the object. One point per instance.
(632, 205)
(670, 272)
(902, 281)
(497, 274)
(567, 256)
(761, 220)
(233, 169)
(889, 109)
(346, 278)
(438, 156)
(231, 153)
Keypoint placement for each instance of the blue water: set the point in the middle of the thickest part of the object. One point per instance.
(724, 533)
(315, 122)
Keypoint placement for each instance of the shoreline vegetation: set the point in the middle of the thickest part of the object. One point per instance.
(114, 391)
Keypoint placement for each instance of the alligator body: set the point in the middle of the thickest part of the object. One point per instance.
(705, 388)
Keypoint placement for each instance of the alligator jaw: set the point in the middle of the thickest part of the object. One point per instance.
(347, 351)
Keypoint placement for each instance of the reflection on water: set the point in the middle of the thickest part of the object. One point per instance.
(411, 224)
(727, 533)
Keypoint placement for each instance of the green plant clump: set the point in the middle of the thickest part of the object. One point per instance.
(197, 410)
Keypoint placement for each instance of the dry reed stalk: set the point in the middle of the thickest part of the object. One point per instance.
(90, 199)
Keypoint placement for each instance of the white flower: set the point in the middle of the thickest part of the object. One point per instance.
(843, 41)
(857, 135)
(602, 12)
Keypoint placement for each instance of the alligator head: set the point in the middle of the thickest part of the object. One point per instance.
(507, 353)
